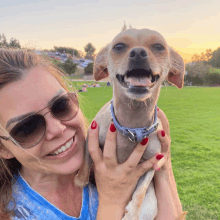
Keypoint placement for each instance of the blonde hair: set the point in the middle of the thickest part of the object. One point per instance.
(14, 65)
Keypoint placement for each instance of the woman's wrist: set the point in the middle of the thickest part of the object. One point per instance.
(110, 209)
(113, 201)
(161, 175)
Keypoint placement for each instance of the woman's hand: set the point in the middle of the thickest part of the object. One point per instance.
(116, 182)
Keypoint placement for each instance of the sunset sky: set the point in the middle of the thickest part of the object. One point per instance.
(189, 26)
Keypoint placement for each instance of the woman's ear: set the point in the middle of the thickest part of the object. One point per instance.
(5, 153)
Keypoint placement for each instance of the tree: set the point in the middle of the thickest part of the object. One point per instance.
(81, 54)
(3, 41)
(202, 57)
(124, 28)
(195, 57)
(199, 68)
(69, 66)
(90, 50)
(67, 50)
(14, 43)
(215, 59)
(212, 79)
(208, 54)
(89, 68)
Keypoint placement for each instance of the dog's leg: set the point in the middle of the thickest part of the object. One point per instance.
(82, 178)
(144, 191)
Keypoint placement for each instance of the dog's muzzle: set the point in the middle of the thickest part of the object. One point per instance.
(139, 76)
(142, 78)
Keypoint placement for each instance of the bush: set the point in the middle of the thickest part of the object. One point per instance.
(68, 67)
(212, 79)
(197, 68)
(89, 68)
(194, 80)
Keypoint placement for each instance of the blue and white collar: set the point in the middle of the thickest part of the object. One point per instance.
(134, 134)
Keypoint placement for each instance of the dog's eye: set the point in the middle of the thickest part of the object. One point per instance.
(119, 47)
(158, 47)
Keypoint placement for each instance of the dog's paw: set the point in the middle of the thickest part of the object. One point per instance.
(78, 182)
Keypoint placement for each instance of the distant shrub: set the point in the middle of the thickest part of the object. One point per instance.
(89, 68)
(212, 79)
(194, 80)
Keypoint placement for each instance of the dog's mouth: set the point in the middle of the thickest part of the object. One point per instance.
(138, 78)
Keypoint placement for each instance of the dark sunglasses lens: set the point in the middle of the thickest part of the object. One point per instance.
(65, 107)
(29, 131)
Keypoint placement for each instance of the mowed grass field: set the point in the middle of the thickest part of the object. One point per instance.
(194, 117)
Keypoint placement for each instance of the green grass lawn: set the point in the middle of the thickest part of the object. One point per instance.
(194, 116)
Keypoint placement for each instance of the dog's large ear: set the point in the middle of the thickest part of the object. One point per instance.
(177, 69)
(100, 70)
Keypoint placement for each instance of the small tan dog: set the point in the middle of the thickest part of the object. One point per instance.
(137, 61)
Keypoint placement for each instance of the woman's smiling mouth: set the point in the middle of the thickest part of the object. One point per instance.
(63, 148)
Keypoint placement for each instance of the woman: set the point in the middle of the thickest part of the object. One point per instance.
(42, 137)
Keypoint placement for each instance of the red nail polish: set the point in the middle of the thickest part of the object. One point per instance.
(158, 169)
(159, 156)
(94, 125)
(112, 128)
(144, 141)
(158, 109)
(163, 133)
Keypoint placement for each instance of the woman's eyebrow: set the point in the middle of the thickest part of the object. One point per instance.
(58, 93)
(20, 117)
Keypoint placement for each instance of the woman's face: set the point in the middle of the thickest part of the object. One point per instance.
(32, 94)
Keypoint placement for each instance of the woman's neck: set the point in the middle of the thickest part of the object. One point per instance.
(57, 189)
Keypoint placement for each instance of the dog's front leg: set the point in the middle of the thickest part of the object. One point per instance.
(143, 205)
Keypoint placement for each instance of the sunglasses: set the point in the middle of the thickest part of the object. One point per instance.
(30, 131)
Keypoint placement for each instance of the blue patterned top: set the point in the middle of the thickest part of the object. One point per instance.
(30, 205)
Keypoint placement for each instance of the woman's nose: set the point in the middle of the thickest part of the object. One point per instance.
(54, 127)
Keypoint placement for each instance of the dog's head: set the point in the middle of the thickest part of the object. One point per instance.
(138, 61)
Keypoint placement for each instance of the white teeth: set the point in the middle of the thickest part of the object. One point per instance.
(63, 148)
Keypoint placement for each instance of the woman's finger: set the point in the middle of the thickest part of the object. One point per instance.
(164, 121)
(109, 152)
(136, 155)
(93, 143)
(148, 164)
(164, 140)
(159, 164)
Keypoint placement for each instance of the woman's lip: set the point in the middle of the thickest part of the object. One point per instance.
(65, 153)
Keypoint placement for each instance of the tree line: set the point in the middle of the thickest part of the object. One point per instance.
(12, 43)
(204, 69)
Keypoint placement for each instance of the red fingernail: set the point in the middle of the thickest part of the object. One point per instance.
(159, 156)
(158, 169)
(94, 125)
(158, 109)
(112, 128)
(163, 133)
(144, 141)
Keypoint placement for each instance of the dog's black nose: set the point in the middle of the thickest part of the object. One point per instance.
(138, 58)
(138, 53)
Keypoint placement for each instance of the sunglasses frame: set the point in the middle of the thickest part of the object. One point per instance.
(37, 113)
